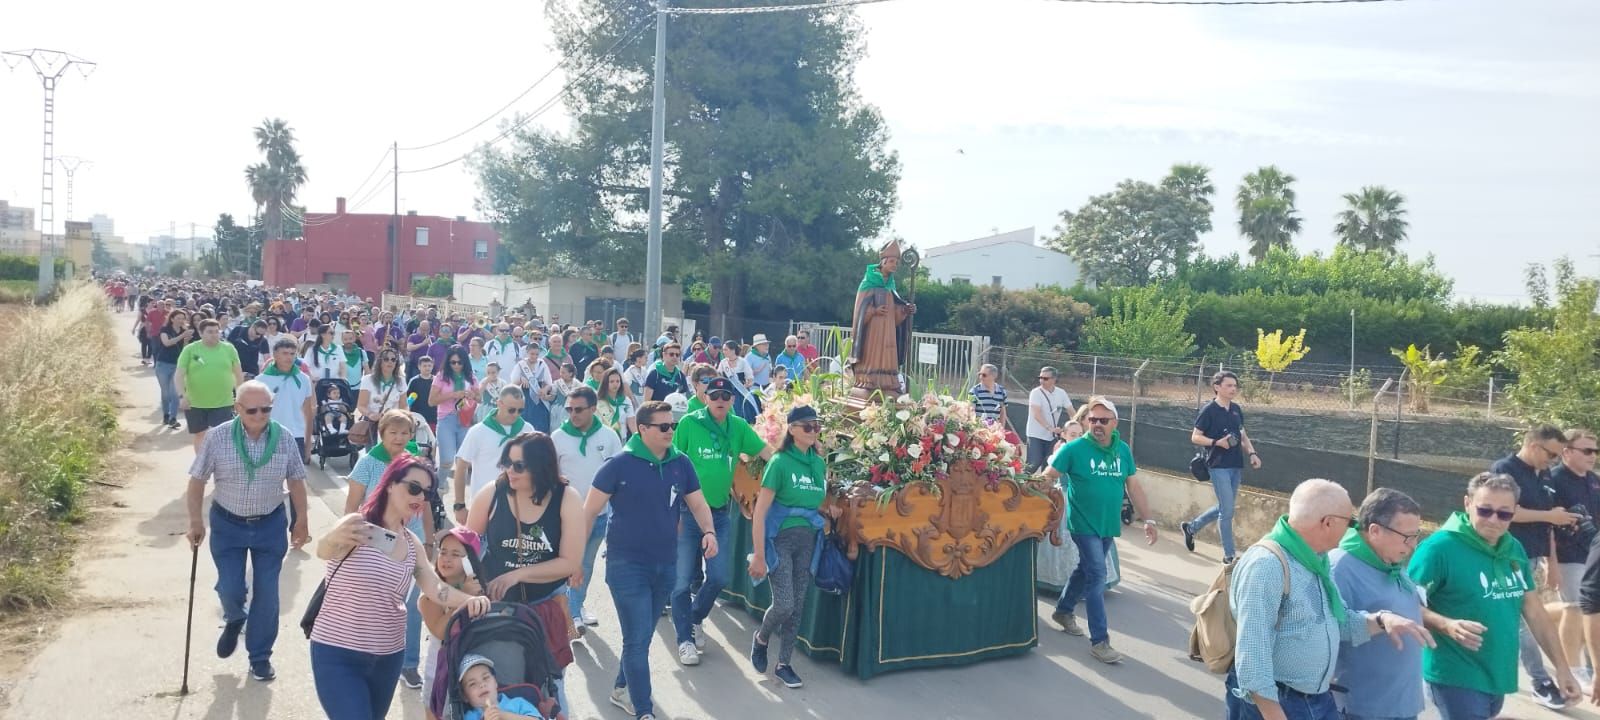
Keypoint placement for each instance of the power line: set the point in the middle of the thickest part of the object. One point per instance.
(374, 172)
(548, 104)
(374, 194)
(615, 11)
(754, 10)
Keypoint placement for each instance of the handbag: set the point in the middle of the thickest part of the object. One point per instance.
(361, 433)
(314, 607)
(1200, 465)
(833, 571)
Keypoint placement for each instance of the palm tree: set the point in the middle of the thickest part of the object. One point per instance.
(1191, 180)
(273, 184)
(1374, 219)
(1267, 215)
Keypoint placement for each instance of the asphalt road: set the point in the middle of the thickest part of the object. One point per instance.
(120, 649)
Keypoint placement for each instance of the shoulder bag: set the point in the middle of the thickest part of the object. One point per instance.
(314, 607)
(361, 433)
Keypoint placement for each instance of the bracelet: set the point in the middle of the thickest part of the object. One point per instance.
(1254, 455)
(704, 533)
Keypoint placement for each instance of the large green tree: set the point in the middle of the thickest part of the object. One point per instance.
(238, 247)
(1373, 219)
(776, 171)
(1267, 214)
(276, 181)
(1139, 232)
(1557, 369)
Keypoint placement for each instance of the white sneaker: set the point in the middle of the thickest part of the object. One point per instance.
(619, 698)
(699, 637)
(687, 654)
(589, 619)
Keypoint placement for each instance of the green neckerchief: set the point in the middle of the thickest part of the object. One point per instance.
(809, 458)
(757, 353)
(251, 465)
(876, 279)
(667, 376)
(560, 359)
(457, 383)
(695, 403)
(588, 344)
(719, 431)
(354, 356)
(593, 384)
(503, 345)
(501, 430)
(1500, 554)
(330, 353)
(293, 372)
(1356, 546)
(381, 453)
(616, 410)
(636, 448)
(1316, 562)
(582, 436)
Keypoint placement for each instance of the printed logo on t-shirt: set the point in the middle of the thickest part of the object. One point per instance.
(804, 482)
(533, 543)
(1104, 468)
(1503, 587)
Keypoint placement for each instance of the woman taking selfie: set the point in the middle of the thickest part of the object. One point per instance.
(358, 640)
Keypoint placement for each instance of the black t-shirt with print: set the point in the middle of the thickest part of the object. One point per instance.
(1216, 422)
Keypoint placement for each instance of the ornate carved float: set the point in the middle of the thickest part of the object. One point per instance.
(951, 530)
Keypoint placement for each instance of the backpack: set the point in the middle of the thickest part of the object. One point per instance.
(1211, 641)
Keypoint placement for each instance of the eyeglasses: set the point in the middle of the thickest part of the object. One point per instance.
(415, 488)
(1100, 420)
(257, 410)
(1349, 520)
(809, 427)
(575, 409)
(455, 362)
(1586, 451)
(1043, 378)
(720, 395)
(1501, 515)
(1410, 538)
(665, 427)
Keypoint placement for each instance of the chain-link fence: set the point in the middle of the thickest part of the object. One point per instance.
(1371, 428)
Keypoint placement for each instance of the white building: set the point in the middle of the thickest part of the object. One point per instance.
(1009, 260)
(18, 236)
(571, 299)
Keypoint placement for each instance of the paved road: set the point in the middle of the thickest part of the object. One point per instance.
(121, 650)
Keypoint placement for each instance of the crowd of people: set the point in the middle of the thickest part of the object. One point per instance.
(550, 440)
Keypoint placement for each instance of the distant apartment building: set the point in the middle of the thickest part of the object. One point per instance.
(18, 235)
(1010, 260)
(352, 251)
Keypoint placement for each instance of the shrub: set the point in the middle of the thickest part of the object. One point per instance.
(26, 267)
(1142, 324)
(1013, 317)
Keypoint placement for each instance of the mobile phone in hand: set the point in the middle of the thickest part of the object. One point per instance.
(379, 538)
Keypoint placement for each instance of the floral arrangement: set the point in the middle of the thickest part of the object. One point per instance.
(902, 442)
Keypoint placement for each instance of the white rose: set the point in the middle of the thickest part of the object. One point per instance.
(903, 415)
(952, 439)
(976, 453)
(879, 439)
(915, 451)
(904, 400)
(884, 457)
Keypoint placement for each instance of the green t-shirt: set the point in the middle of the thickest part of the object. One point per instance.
(798, 481)
(1094, 479)
(208, 374)
(1461, 582)
(713, 449)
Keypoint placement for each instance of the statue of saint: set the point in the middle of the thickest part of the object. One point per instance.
(880, 327)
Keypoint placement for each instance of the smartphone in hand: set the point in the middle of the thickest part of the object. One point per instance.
(379, 539)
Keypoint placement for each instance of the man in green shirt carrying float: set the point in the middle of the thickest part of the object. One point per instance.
(1095, 469)
(714, 439)
(1479, 586)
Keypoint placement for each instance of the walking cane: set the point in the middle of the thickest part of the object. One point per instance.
(188, 632)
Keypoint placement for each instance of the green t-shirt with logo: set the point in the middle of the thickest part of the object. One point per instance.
(1463, 582)
(713, 448)
(798, 480)
(1094, 478)
(208, 374)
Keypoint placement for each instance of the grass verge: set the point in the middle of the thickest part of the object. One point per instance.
(58, 425)
(17, 291)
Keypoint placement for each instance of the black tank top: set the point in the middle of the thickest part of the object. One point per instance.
(511, 544)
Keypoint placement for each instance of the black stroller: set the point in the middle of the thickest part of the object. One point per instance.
(510, 635)
(333, 443)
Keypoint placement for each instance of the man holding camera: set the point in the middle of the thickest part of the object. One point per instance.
(1577, 488)
(1534, 526)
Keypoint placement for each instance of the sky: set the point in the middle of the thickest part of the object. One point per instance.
(1482, 113)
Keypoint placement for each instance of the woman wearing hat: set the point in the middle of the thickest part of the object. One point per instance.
(787, 527)
(456, 548)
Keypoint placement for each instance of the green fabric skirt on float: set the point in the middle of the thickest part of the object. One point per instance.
(900, 616)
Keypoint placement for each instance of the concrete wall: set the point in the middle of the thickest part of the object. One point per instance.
(1176, 499)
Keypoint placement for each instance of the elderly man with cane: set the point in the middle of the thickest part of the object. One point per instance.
(249, 459)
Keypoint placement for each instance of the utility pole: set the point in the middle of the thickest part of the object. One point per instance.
(394, 229)
(71, 163)
(49, 65)
(658, 123)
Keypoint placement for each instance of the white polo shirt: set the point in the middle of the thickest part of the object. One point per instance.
(579, 468)
(481, 451)
(505, 356)
(288, 400)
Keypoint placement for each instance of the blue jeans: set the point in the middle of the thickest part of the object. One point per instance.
(1459, 703)
(1088, 583)
(413, 651)
(1348, 716)
(263, 542)
(1296, 705)
(639, 591)
(1225, 483)
(591, 548)
(169, 388)
(354, 685)
(687, 613)
(450, 434)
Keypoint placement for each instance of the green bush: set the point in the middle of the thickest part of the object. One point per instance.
(1142, 324)
(1013, 317)
(26, 267)
(438, 286)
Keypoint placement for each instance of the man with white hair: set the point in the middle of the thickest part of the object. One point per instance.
(1290, 616)
(248, 459)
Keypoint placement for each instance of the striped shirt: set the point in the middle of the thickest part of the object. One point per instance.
(218, 462)
(1292, 640)
(364, 608)
(988, 404)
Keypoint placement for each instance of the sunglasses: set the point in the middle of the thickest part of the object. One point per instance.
(1586, 451)
(414, 487)
(665, 427)
(1501, 515)
(703, 381)
(720, 395)
(1349, 520)
(1043, 378)
(455, 362)
(673, 355)
(1100, 420)
(809, 427)
(518, 466)
(257, 410)
(575, 409)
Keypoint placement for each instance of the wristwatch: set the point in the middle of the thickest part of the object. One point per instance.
(458, 506)
(1378, 618)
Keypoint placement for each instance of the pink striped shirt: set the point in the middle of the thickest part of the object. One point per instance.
(364, 608)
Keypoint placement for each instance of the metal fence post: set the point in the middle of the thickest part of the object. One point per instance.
(1199, 383)
(1094, 376)
(1133, 422)
(1488, 412)
(1372, 441)
(1399, 408)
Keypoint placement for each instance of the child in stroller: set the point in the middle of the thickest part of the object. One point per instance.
(515, 640)
(333, 413)
(332, 422)
(481, 690)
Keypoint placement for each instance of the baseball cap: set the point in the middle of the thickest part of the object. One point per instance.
(719, 383)
(714, 341)
(469, 661)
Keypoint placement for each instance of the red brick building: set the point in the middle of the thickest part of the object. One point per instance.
(351, 251)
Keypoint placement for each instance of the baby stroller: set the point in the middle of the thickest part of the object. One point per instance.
(512, 636)
(334, 442)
